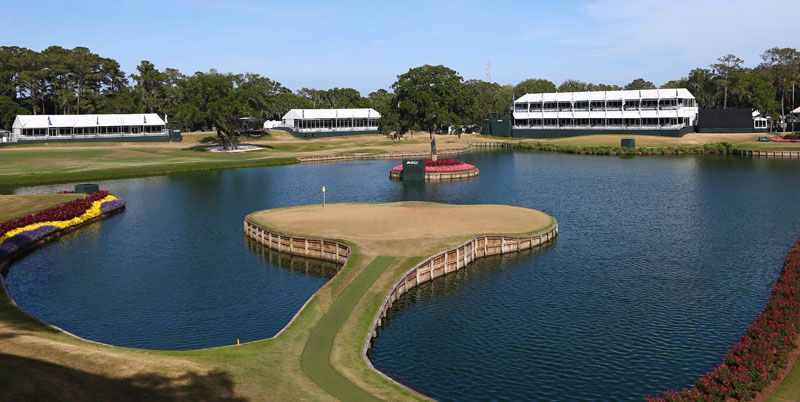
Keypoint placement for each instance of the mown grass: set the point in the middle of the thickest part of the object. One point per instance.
(39, 166)
(15, 206)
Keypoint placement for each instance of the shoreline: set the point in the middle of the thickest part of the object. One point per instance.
(293, 151)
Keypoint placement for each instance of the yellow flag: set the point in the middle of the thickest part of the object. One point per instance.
(323, 189)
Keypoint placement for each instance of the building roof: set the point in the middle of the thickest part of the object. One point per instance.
(87, 120)
(299, 114)
(796, 111)
(681, 93)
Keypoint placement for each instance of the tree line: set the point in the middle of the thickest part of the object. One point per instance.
(57, 80)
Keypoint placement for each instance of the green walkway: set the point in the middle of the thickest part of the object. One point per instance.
(316, 358)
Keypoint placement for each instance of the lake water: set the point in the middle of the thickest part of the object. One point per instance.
(660, 266)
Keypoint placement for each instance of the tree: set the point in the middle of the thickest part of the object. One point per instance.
(534, 86)
(382, 100)
(639, 84)
(725, 67)
(9, 111)
(783, 67)
(575, 86)
(750, 90)
(674, 84)
(482, 98)
(700, 83)
(150, 85)
(10, 70)
(428, 98)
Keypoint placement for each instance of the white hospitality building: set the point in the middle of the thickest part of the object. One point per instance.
(670, 112)
(120, 127)
(331, 122)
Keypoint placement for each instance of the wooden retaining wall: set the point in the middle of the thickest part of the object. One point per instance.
(395, 155)
(768, 154)
(431, 268)
(490, 144)
(440, 176)
(453, 260)
(327, 250)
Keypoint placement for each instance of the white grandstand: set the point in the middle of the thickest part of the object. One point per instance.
(656, 109)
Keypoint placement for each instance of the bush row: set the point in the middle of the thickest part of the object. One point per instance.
(757, 360)
(718, 148)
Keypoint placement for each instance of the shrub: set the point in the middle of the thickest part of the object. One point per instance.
(762, 352)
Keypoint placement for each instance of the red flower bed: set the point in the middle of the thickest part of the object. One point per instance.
(449, 168)
(441, 166)
(762, 352)
(446, 168)
(442, 162)
(61, 212)
(784, 139)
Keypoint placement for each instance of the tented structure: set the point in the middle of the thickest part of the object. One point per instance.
(87, 127)
(654, 111)
(327, 122)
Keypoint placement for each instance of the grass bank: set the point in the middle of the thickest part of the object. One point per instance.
(15, 206)
(32, 164)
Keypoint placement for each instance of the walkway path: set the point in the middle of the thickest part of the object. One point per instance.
(315, 361)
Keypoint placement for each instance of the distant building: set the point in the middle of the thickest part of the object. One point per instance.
(89, 127)
(310, 123)
(671, 112)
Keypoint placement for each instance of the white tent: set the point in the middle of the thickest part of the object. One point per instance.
(332, 120)
(70, 126)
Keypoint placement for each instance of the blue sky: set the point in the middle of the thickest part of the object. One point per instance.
(366, 44)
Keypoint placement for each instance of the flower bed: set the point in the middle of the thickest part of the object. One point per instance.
(761, 354)
(442, 166)
(18, 233)
(442, 162)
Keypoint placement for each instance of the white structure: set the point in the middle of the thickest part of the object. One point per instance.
(272, 124)
(86, 126)
(760, 122)
(651, 109)
(332, 120)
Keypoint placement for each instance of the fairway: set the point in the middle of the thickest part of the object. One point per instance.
(316, 355)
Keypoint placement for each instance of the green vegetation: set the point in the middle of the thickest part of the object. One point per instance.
(316, 354)
(789, 389)
(44, 164)
(719, 148)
